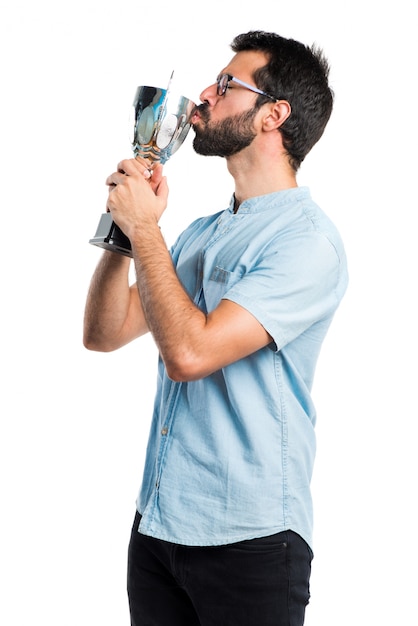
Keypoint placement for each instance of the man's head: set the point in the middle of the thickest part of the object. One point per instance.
(283, 70)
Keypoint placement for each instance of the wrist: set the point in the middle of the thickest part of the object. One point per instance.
(146, 233)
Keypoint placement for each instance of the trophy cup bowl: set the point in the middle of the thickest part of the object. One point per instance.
(160, 121)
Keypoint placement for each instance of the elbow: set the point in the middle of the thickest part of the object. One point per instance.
(95, 344)
(184, 368)
(88, 342)
(178, 375)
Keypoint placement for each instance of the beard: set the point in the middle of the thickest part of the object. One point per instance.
(226, 137)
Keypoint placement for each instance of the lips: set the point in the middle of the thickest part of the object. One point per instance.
(195, 116)
(200, 112)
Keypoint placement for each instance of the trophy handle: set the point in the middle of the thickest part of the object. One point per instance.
(110, 237)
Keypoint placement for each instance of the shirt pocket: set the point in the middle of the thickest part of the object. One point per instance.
(219, 282)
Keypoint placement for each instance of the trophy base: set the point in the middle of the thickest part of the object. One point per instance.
(110, 237)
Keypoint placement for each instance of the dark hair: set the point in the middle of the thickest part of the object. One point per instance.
(296, 73)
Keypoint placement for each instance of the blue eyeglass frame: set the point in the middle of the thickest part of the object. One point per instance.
(222, 86)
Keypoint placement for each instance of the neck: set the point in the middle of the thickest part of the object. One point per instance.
(253, 178)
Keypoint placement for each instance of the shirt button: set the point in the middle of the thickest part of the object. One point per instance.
(164, 431)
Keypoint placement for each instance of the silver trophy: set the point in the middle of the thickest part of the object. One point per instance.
(160, 121)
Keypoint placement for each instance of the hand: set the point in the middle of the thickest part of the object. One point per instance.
(136, 195)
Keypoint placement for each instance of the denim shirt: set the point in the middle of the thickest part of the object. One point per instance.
(230, 456)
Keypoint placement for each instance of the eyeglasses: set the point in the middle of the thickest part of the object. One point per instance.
(223, 82)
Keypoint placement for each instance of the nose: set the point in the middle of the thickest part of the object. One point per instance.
(209, 94)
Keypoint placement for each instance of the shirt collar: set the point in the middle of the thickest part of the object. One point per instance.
(274, 200)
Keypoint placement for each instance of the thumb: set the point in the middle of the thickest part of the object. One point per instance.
(162, 189)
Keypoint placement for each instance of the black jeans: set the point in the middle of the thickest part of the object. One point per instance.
(261, 582)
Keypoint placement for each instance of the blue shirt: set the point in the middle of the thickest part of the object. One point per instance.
(230, 456)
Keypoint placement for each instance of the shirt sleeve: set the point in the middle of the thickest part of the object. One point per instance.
(292, 286)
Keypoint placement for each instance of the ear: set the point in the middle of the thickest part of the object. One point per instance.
(276, 115)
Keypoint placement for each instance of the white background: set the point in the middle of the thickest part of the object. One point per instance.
(74, 424)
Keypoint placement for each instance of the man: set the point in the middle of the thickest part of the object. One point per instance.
(238, 309)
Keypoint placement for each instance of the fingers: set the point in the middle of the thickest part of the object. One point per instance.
(115, 179)
(134, 189)
(130, 167)
(162, 189)
(136, 168)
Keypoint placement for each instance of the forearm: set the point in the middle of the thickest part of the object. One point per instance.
(107, 315)
(173, 319)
